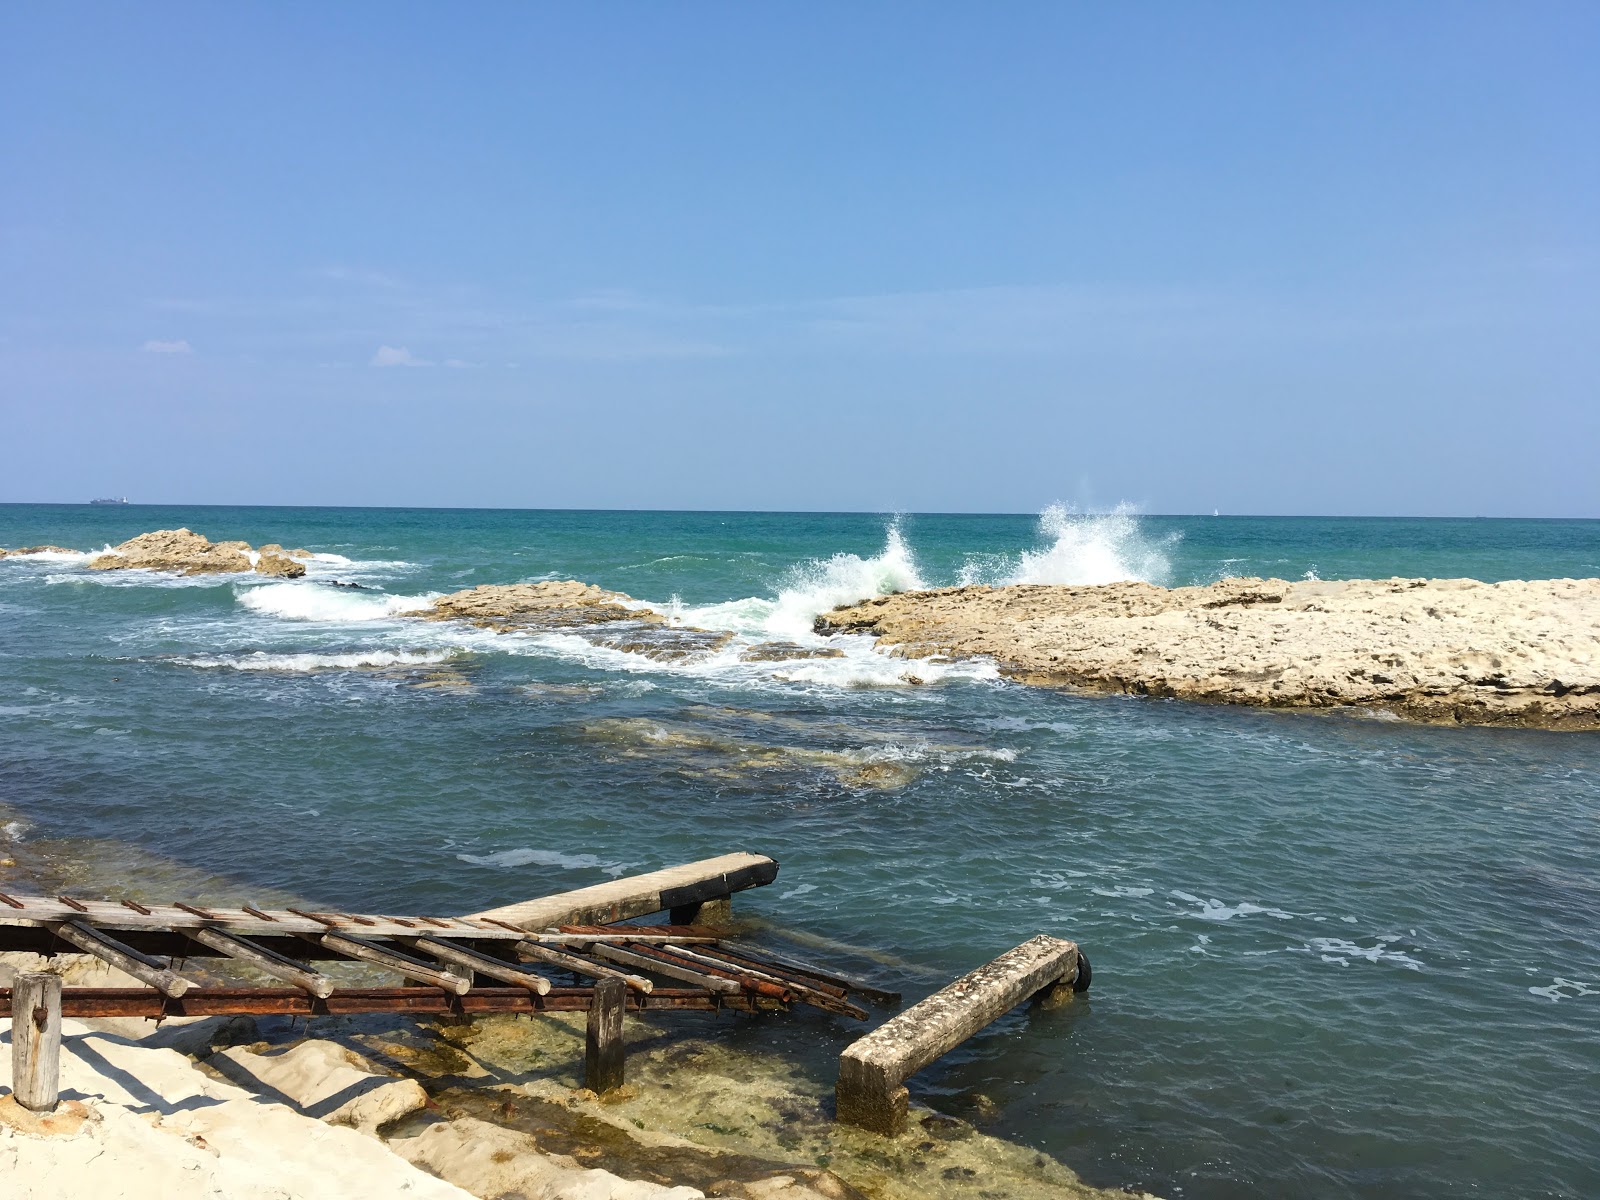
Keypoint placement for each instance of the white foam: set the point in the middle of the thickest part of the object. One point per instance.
(1215, 910)
(260, 660)
(1566, 989)
(813, 588)
(1340, 952)
(1085, 548)
(526, 856)
(316, 602)
(55, 556)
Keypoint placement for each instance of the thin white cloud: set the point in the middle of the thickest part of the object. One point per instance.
(398, 356)
(155, 346)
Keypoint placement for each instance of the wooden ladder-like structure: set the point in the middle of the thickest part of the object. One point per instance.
(570, 952)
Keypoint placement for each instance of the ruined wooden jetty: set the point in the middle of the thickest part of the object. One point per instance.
(576, 951)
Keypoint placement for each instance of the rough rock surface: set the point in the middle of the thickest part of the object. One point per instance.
(1519, 653)
(190, 553)
(609, 619)
(787, 652)
(325, 1081)
(156, 1128)
(562, 604)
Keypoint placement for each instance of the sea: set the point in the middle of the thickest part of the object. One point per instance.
(1334, 954)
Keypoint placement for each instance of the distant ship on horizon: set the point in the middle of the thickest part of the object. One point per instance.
(110, 500)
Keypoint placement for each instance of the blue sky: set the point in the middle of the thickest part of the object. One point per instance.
(1268, 258)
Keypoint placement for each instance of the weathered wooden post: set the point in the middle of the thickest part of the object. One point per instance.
(602, 1059)
(36, 1040)
(871, 1090)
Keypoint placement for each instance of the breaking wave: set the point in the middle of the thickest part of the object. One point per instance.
(317, 602)
(1085, 548)
(812, 588)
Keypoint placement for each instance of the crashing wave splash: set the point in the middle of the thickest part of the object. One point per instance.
(1084, 549)
(1080, 549)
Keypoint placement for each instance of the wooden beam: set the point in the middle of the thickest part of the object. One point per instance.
(274, 964)
(483, 964)
(36, 1041)
(640, 895)
(582, 966)
(603, 1051)
(125, 958)
(640, 962)
(411, 968)
(873, 1070)
(812, 996)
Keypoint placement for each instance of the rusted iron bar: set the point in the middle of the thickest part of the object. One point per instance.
(800, 991)
(213, 1002)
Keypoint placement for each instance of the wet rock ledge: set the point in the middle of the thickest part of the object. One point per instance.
(1447, 651)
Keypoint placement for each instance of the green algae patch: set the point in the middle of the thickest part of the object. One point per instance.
(696, 1111)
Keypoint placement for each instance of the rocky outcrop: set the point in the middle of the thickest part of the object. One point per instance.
(1518, 653)
(787, 652)
(609, 619)
(280, 565)
(188, 553)
(564, 604)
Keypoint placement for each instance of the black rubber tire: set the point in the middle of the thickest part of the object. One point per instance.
(1085, 973)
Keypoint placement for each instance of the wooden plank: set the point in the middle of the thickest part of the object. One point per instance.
(583, 966)
(865, 990)
(125, 958)
(36, 1041)
(247, 921)
(274, 964)
(603, 1050)
(813, 997)
(873, 1070)
(748, 980)
(483, 964)
(641, 962)
(411, 968)
(640, 895)
(210, 1002)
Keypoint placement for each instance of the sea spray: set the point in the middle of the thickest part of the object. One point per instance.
(317, 602)
(812, 588)
(1084, 548)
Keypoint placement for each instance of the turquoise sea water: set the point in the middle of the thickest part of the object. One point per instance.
(1334, 956)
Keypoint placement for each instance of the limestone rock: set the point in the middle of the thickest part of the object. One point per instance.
(489, 1160)
(280, 565)
(787, 651)
(180, 550)
(1451, 651)
(274, 548)
(322, 1080)
(558, 604)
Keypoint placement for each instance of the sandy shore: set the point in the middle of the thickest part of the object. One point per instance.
(1452, 651)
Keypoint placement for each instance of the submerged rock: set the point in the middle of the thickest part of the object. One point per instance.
(190, 553)
(787, 651)
(612, 620)
(1521, 653)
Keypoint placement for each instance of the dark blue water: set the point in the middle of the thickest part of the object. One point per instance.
(1333, 956)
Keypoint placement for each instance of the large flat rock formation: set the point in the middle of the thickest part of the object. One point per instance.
(1519, 653)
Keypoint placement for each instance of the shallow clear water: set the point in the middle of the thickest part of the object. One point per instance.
(1334, 956)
